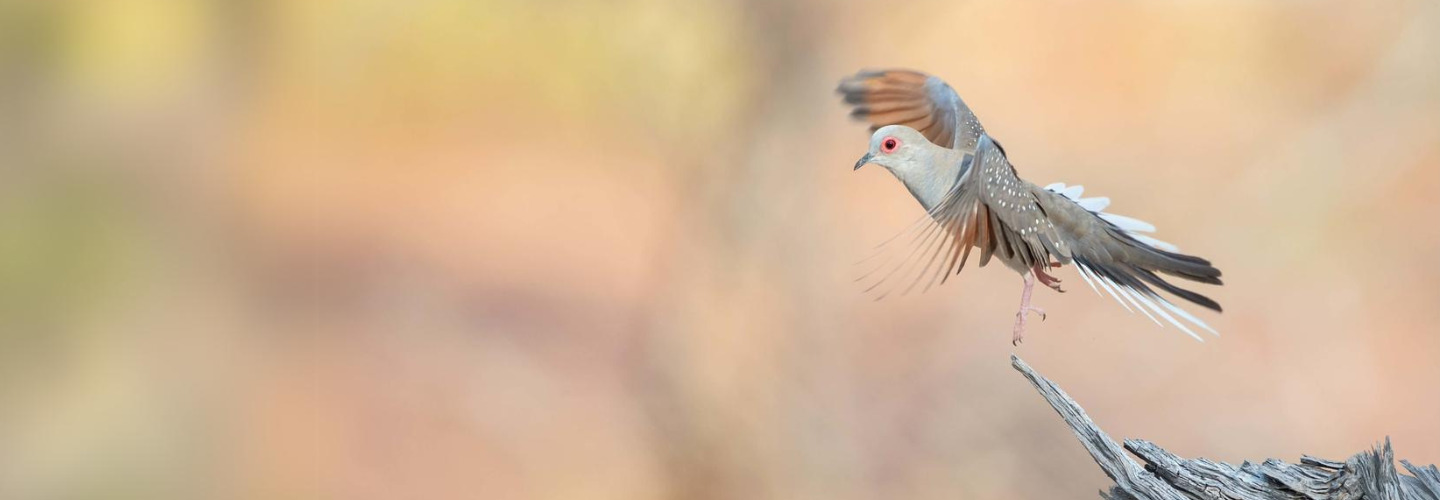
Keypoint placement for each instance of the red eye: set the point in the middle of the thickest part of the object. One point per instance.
(889, 145)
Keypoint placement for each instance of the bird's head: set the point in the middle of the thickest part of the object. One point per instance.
(894, 147)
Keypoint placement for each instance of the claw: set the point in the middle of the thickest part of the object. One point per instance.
(1048, 280)
(1035, 310)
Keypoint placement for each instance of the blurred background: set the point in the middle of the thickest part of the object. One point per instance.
(606, 249)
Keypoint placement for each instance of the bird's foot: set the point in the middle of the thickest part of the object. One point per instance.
(1018, 334)
(1048, 280)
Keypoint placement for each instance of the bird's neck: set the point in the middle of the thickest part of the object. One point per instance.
(933, 176)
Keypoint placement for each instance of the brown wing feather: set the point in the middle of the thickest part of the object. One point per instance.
(923, 102)
(965, 242)
(987, 236)
(883, 104)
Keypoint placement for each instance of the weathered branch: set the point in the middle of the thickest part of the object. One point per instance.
(1367, 475)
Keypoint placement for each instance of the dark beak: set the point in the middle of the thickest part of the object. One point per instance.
(863, 160)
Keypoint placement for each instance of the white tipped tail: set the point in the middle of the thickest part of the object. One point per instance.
(1149, 303)
(1097, 205)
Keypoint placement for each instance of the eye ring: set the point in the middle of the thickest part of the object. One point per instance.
(889, 145)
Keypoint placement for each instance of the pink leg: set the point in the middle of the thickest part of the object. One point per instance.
(1025, 307)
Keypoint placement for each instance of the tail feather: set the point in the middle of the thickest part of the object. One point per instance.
(1197, 299)
(1109, 249)
(1175, 264)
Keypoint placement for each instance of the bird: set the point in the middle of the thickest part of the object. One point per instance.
(925, 135)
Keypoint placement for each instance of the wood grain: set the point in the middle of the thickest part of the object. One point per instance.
(1366, 475)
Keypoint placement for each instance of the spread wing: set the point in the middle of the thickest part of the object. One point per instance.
(914, 99)
(988, 208)
(1025, 235)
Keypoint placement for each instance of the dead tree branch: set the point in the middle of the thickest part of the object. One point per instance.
(1367, 475)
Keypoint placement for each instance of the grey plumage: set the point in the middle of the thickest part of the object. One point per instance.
(933, 143)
